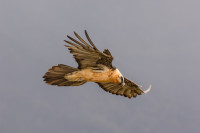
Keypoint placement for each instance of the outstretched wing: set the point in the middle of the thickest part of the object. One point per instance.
(130, 89)
(87, 55)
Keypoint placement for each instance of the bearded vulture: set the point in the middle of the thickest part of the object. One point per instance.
(93, 66)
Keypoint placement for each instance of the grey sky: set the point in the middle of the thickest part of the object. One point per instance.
(154, 42)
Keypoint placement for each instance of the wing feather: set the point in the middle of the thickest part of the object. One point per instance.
(76, 41)
(71, 44)
(81, 39)
(121, 91)
(88, 55)
(130, 89)
(87, 36)
(115, 90)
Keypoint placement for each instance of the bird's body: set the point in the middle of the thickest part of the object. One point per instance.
(93, 66)
(91, 74)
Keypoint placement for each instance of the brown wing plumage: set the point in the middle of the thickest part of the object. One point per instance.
(130, 89)
(87, 55)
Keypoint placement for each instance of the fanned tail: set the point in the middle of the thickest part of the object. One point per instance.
(55, 76)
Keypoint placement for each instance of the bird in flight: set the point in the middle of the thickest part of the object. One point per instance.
(93, 66)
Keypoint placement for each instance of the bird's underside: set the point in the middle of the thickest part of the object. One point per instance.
(93, 66)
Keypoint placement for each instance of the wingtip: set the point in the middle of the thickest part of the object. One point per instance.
(75, 33)
(147, 90)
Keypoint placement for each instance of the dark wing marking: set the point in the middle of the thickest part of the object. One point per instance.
(88, 55)
(130, 89)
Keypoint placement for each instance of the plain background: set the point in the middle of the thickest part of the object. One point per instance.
(153, 42)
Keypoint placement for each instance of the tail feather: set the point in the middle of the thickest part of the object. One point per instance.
(55, 76)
